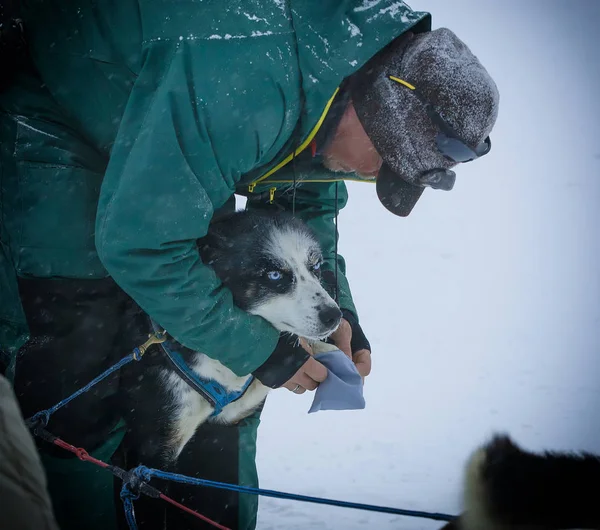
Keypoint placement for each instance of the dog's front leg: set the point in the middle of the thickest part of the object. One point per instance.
(150, 513)
(322, 347)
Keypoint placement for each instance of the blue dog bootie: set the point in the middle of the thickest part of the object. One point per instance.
(343, 388)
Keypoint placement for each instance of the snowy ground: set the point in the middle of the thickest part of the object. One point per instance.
(483, 307)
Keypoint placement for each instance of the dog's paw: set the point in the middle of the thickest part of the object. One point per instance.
(322, 347)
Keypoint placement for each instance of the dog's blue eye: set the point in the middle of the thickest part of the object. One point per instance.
(316, 266)
(274, 275)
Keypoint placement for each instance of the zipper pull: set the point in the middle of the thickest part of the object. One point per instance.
(272, 195)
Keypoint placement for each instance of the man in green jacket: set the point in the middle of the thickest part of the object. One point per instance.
(132, 125)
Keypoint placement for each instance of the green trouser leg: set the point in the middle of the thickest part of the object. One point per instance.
(247, 474)
(83, 494)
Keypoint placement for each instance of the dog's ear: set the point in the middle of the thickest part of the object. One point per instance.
(207, 253)
(216, 251)
(211, 247)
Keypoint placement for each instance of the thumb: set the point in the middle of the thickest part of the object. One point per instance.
(344, 345)
(343, 338)
(362, 361)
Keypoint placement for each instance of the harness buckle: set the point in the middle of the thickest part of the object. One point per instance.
(272, 195)
(251, 187)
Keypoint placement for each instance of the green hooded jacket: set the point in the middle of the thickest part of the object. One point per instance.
(144, 117)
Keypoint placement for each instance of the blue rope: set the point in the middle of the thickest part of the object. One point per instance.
(146, 474)
(127, 496)
(129, 515)
(43, 416)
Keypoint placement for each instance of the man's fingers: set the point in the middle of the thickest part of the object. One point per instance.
(342, 337)
(362, 361)
(345, 347)
(306, 382)
(363, 370)
(296, 388)
(315, 371)
(308, 376)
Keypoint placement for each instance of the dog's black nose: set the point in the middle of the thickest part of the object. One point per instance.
(330, 316)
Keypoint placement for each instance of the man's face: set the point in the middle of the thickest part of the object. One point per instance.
(351, 149)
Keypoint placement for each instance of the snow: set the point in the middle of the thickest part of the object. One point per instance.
(366, 5)
(255, 18)
(354, 29)
(228, 36)
(482, 307)
(261, 33)
(391, 10)
(280, 4)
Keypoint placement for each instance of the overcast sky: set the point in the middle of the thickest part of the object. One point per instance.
(483, 306)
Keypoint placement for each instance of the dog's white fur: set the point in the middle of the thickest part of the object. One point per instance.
(476, 512)
(192, 410)
(294, 312)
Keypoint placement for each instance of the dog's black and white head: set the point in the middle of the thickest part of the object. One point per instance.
(271, 263)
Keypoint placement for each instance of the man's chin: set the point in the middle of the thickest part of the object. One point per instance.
(335, 166)
(367, 176)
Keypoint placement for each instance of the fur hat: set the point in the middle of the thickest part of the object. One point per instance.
(446, 75)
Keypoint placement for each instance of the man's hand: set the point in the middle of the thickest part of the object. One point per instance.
(308, 377)
(342, 337)
(362, 360)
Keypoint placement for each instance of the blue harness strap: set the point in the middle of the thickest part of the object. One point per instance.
(213, 391)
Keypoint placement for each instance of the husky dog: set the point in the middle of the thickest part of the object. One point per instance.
(271, 264)
(507, 488)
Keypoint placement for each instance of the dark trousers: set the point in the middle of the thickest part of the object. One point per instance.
(79, 328)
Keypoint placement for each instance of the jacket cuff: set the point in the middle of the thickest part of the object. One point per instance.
(359, 340)
(283, 363)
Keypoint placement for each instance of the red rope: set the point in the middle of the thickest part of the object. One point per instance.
(192, 512)
(83, 455)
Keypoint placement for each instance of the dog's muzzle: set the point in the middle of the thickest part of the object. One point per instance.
(330, 317)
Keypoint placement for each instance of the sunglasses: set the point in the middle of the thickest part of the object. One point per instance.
(448, 141)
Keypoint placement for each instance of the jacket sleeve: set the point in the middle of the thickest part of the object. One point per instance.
(162, 184)
(315, 203)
